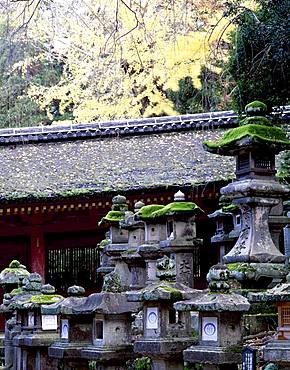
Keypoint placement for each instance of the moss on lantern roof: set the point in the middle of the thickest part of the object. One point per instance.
(161, 291)
(258, 133)
(16, 291)
(177, 208)
(146, 212)
(113, 216)
(256, 107)
(230, 208)
(45, 298)
(103, 243)
(256, 120)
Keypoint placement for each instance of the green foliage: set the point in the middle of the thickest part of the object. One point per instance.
(284, 165)
(190, 99)
(260, 56)
(141, 363)
(184, 99)
(92, 365)
(262, 308)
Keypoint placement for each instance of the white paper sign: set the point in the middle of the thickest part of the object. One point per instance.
(49, 322)
(30, 319)
(64, 329)
(209, 328)
(152, 318)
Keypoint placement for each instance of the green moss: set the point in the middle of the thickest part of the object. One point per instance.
(16, 291)
(176, 208)
(255, 107)
(260, 133)
(256, 120)
(130, 251)
(142, 363)
(240, 267)
(174, 293)
(14, 264)
(230, 208)
(45, 298)
(113, 216)
(104, 243)
(145, 213)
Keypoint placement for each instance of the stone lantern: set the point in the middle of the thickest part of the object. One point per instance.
(278, 349)
(106, 266)
(166, 333)
(220, 329)
(118, 237)
(111, 344)
(181, 237)
(37, 332)
(75, 332)
(131, 257)
(94, 328)
(254, 144)
(155, 230)
(11, 278)
(221, 238)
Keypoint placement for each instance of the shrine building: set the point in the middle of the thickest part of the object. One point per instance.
(58, 181)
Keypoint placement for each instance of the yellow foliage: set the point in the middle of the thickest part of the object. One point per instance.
(114, 73)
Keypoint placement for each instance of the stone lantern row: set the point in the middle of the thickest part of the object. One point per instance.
(45, 330)
(147, 268)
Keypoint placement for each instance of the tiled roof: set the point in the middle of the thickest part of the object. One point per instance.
(141, 126)
(71, 160)
(119, 163)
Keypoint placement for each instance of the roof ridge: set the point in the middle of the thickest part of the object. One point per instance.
(196, 121)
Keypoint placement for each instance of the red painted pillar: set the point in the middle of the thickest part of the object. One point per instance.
(37, 248)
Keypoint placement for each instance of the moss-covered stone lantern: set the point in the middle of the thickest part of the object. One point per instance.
(220, 329)
(155, 230)
(118, 237)
(75, 332)
(181, 237)
(166, 333)
(11, 278)
(254, 144)
(111, 345)
(131, 257)
(221, 239)
(37, 331)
